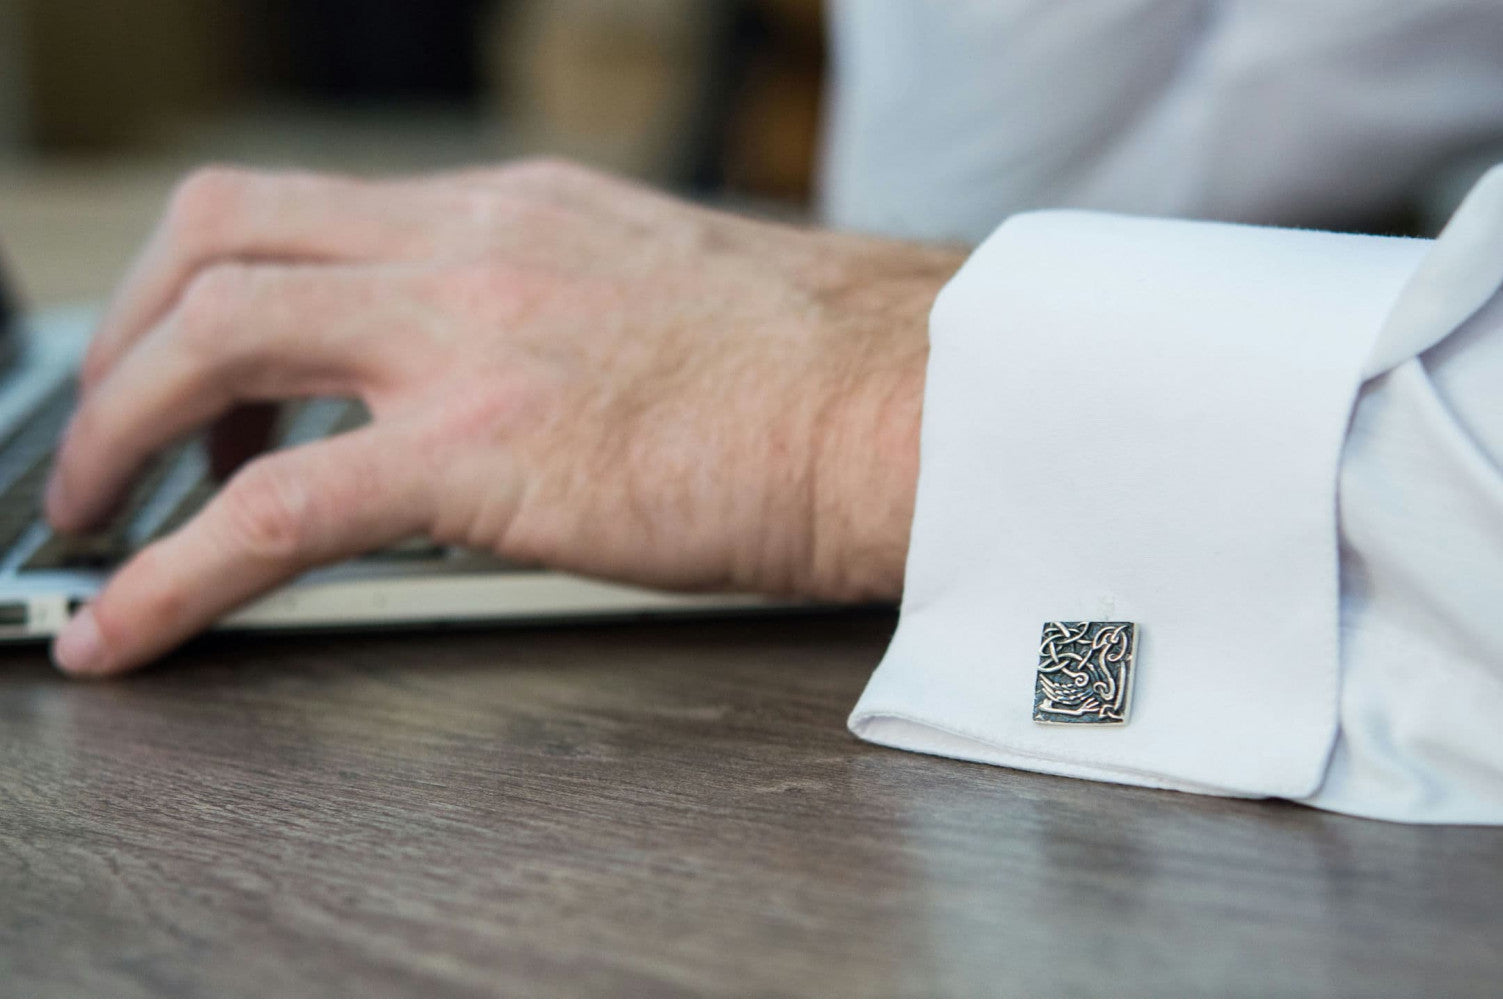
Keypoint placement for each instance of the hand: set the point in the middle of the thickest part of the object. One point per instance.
(562, 368)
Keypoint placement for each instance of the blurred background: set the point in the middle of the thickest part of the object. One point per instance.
(103, 103)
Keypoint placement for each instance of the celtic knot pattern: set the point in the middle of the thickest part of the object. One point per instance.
(1085, 672)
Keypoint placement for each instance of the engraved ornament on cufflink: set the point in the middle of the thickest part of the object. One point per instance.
(1085, 673)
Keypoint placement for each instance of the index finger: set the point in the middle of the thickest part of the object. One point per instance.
(280, 515)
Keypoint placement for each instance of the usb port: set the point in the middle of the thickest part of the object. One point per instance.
(14, 613)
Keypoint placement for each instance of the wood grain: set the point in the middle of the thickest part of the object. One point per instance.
(654, 809)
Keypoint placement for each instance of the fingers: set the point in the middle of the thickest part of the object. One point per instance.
(279, 516)
(241, 333)
(220, 214)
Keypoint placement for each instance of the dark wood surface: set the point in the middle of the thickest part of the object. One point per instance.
(654, 809)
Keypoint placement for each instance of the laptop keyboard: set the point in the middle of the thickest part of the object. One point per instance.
(165, 496)
(25, 460)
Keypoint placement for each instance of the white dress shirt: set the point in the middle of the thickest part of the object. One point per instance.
(1278, 451)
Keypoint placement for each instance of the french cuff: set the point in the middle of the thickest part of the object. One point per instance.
(1137, 420)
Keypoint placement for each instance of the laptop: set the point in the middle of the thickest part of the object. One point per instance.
(45, 577)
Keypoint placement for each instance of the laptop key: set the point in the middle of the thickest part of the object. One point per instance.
(25, 458)
(172, 491)
(22, 500)
(110, 545)
(188, 505)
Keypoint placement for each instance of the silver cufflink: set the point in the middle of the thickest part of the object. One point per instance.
(1085, 673)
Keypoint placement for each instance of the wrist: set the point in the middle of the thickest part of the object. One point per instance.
(867, 462)
(866, 487)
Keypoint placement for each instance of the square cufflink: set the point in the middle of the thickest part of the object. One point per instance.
(1085, 673)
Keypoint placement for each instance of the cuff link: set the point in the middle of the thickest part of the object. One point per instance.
(1085, 673)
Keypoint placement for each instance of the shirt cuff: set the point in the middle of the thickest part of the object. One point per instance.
(1137, 420)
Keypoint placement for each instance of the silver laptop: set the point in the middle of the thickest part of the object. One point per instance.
(44, 577)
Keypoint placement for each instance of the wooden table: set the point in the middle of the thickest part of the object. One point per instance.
(641, 809)
(654, 809)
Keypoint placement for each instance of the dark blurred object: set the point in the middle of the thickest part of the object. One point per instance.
(715, 97)
(102, 73)
(771, 131)
(622, 84)
(97, 75)
(10, 313)
(370, 50)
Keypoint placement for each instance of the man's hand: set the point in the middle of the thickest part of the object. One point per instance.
(562, 368)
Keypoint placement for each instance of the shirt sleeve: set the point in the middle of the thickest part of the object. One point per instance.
(1421, 528)
(1148, 420)
(1137, 420)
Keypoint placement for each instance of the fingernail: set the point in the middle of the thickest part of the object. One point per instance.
(79, 648)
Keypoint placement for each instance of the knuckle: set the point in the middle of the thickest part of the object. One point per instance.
(496, 290)
(204, 200)
(545, 170)
(491, 209)
(268, 512)
(210, 298)
(483, 278)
